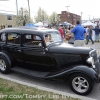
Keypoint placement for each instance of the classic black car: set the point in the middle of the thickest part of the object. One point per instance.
(42, 53)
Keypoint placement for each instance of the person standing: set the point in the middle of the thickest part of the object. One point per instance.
(97, 30)
(89, 35)
(79, 33)
(61, 31)
(71, 40)
(64, 30)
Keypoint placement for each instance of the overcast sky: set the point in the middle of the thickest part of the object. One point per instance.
(87, 7)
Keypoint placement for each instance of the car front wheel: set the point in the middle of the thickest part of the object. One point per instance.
(81, 84)
(4, 65)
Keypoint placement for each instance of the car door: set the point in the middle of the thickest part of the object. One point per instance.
(13, 46)
(34, 53)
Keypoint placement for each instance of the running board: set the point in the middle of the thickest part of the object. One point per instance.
(30, 72)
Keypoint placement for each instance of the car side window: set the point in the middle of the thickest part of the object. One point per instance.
(3, 37)
(14, 38)
(33, 40)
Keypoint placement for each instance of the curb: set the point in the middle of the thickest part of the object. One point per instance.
(46, 89)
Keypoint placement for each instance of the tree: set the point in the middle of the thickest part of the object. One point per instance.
(54, 18)
(41, 16)
(23, 17)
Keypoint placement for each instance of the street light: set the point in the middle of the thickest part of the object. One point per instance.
(68, 13)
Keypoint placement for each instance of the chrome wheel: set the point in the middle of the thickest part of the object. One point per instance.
(80, 84)
(2, 65)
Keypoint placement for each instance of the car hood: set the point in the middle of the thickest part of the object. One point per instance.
(69, 48)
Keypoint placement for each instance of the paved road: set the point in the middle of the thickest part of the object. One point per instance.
(96, 45)
(64, 87)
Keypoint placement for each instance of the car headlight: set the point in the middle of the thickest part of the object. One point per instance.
(90, 60)
(91, 53)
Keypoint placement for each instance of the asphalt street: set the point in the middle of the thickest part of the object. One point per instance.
(96, 45)
(64, 87)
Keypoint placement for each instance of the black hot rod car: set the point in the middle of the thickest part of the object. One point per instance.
(42, 53)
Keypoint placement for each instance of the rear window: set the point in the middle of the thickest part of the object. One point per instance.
(14, 38)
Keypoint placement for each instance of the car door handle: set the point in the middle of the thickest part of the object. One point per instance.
(19, 50)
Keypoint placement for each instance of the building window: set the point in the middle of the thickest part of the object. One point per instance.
(9, 17)
(9, 25)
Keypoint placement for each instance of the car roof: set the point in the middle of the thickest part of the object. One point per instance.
(30, 30)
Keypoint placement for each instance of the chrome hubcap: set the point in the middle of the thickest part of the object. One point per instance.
(80, 84)
(2, 65)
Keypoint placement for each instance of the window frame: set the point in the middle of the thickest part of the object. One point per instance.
(12, 42)
(35, 40)
(9, 17)
(5, 38)
(51, 36)
(9, 26)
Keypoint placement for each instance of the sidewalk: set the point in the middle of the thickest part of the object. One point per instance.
(3, 76)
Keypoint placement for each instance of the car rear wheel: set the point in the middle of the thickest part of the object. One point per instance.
(81, 84)
(4, 65)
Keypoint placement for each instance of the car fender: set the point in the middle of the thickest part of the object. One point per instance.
(66, 73)
(89, 71)
(4, 54)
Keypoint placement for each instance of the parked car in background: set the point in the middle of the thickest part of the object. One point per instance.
(42, 53)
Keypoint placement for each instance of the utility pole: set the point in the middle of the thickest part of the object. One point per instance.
(89, 17)
(81, 17)
(29, 7)
(17, 7)
(68, 13)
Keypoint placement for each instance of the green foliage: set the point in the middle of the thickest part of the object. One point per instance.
(23, 17)
(54, 18)
(13, 91)
(41, 16)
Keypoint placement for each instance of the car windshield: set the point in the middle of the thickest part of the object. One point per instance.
(52, 37)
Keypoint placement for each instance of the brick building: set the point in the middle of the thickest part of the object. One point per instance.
(71, 19)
